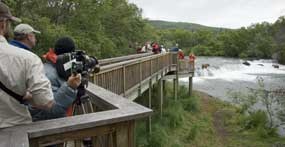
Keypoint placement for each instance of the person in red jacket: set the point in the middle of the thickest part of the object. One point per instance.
(156, 48)
(180, 54)
(192, 60)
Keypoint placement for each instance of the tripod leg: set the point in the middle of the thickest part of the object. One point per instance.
(90, 105)
(83, 108)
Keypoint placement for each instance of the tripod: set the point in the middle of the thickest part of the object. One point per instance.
(83, 104)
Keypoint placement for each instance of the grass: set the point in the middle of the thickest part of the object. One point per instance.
(199, 121)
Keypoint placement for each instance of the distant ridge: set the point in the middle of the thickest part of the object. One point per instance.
(160, 24)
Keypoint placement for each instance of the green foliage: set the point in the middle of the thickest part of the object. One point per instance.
(193, 132)
(272, 102)
(112, 28)
(174, 115)
(258, 122)
(103, 28)
(255, 120)
(282, 55)
(260, 40)
(181, 25)
(190, 104)
(201, 50)
(158, 138)
(198, 128)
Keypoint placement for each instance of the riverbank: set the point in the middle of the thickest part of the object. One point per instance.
(200, 120)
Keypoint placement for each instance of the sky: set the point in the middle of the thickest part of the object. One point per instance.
(216, 13)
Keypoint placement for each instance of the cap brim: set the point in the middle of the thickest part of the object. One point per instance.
(15, 19)
(35, 31)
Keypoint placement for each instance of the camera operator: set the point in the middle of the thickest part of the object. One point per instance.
(65, 92)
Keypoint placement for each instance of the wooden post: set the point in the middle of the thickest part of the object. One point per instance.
(190, 85)
(177, 78)
(149, 106)
(125, 134)
(124, 80)
(140, 87)
(174, 88)
(161, 95)
(164, 86)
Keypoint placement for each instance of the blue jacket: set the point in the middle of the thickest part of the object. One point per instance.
(63, 94)
(19, 44)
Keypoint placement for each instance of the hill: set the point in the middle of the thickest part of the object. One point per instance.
(160, 24)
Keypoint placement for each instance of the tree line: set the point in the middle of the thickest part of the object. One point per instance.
(261, 40)
(108, 28)
(105, 28)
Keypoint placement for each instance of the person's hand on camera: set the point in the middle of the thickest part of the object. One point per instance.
(74, 81)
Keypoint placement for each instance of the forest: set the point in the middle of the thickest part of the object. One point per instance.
(108, 28)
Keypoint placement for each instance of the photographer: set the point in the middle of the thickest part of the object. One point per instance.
(64, 91)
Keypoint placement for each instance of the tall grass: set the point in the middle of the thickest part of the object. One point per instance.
(173, 117)
(189, 121)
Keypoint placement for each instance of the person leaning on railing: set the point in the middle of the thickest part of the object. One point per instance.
(192, 58)
(21, 75)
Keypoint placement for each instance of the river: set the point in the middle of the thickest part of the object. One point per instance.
(225, 74)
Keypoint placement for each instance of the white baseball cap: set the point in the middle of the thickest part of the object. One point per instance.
(25, 29)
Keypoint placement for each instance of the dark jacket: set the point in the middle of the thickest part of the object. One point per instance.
(19, 44)
(63, 94)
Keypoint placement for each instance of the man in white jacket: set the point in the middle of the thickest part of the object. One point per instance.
(21, 72)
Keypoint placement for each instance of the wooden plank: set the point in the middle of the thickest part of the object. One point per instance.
(129, 62)
(131, 133)
(124, 80)
(161, 95)
(75, 135)
(122, 58)
(149, 106)
(122, 136)
(190, 86)
(140, 78)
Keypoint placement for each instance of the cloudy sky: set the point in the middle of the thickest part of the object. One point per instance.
(217, 13)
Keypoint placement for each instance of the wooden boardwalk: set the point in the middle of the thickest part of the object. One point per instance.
(112, 92)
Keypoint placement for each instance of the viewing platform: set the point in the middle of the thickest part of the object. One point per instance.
(111, 121)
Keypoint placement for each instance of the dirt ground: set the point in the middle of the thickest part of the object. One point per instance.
(218, 116)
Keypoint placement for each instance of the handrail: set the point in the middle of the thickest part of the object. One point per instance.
(129, 75)
(103, 62)
(132, 61)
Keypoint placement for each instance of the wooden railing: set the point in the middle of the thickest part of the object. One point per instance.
(113, 126)
(126, 77)
(107, 61)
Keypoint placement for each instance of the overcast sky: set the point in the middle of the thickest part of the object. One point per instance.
(217, 13)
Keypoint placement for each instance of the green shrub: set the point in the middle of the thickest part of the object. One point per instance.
(193, 133)
(158, 138)
(257, 119)
(191, 104)
(174, 115)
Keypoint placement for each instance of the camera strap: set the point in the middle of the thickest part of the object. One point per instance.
(18, 97)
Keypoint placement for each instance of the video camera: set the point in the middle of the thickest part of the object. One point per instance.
(77, 62)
